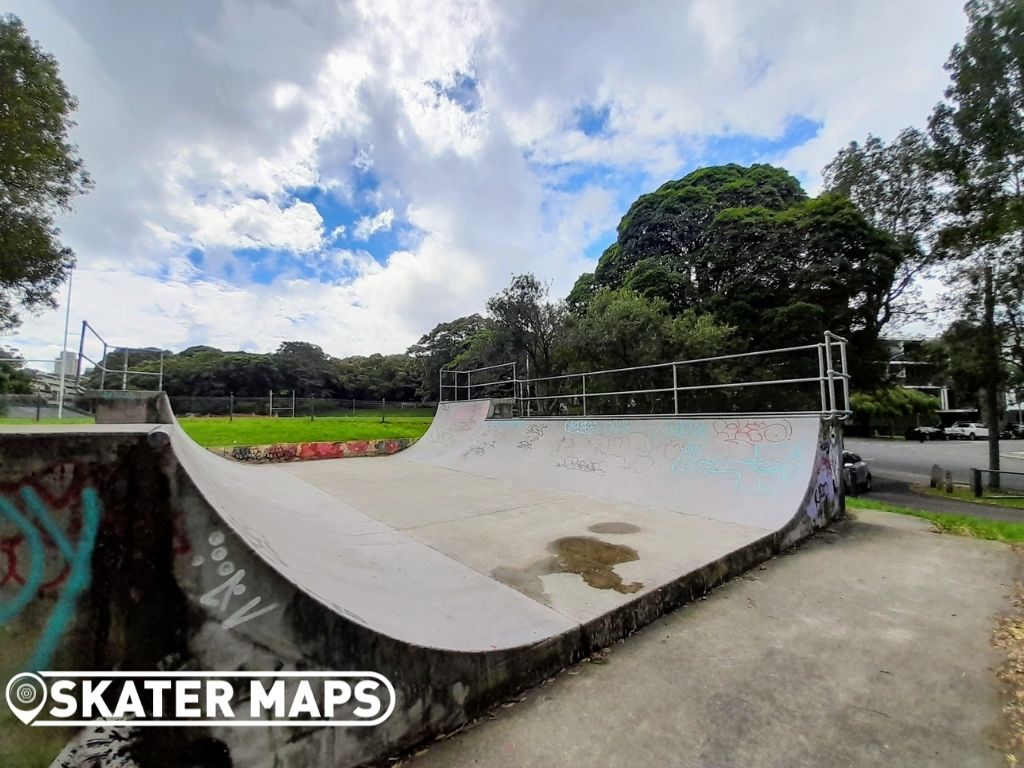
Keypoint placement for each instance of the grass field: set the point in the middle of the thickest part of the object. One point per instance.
(960, 525)
(218, 431)
(211, 431)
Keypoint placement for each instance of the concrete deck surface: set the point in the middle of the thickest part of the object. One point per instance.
(509, 531)
(867, 646)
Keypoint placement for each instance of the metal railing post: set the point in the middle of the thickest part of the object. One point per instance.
(160, 381)
(846, 378)
(584, 377)
(821, 377)
(831, 376)
(469, 385)
(81, 351)
(675, 389)
(103, 365)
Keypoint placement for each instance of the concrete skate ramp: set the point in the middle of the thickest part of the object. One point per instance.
(478, 562)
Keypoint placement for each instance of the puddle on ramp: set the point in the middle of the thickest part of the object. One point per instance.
(591, 558)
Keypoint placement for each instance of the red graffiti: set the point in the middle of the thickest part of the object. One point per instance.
(60, 488)
(313, 451)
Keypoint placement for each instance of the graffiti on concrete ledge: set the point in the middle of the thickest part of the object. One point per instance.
(43, 557)
(271, 454)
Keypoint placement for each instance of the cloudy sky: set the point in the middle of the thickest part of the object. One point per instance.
(351, 174)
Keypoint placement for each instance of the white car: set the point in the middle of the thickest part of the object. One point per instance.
(966, 430)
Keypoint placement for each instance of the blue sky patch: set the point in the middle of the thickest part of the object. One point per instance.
(591, 119)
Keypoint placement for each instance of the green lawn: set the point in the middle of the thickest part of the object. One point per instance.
(963, 493)
(211, 431)
(961, 525)
(219, 431)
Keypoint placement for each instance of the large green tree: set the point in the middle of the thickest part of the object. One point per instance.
(978, 131)
(40, 172)
(896, 186)
(746, 245)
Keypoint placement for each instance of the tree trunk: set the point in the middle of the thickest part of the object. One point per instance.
(992, 377)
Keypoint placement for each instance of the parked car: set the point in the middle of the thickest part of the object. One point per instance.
(926, 433)
(856, 475)
(966, 430)
(1013, 432)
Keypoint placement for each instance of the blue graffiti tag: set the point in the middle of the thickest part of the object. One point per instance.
(78, 558)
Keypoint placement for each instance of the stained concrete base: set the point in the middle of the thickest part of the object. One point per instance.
(867, 646)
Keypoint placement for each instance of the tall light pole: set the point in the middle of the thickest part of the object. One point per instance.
(64, 349)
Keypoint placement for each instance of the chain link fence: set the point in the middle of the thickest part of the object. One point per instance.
(285, 406)
(38, 407)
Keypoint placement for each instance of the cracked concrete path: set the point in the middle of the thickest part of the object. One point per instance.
(867, 646)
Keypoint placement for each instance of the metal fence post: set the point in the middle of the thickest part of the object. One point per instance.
(231, 406)
(103, 365)
(469, 385)
(160, 381)
(584, 377)
(675, 389)
(81, 351)
(124, 374)
(831, 377)
(271, 403)
(821, 377)
(976, 482)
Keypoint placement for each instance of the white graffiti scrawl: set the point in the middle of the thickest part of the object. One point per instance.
(233, 586)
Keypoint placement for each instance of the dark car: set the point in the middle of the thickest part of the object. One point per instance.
(856, 475)
(1013, 432)
(926, 433)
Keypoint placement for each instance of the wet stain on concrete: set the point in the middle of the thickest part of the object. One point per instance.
(594, 560)
(614, 528)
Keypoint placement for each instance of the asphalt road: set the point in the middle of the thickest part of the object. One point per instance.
(912, 461)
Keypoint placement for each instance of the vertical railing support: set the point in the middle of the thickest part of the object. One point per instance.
(584, 377)
(846, 379)
(160, 381)
(81, 351)
(103, 366)
(830, 373)
(675, 389)
(821, 377)
(124, 373)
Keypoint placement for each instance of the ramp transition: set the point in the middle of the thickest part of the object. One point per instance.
(476, 563)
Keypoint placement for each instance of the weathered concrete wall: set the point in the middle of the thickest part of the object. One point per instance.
(113, 406)
(344, 449)
(152, 583)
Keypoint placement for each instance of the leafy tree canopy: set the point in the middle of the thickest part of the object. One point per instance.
(747, 246)
(39, 173)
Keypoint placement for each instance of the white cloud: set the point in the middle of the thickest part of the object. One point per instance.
(370, 225)
(198, 126)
